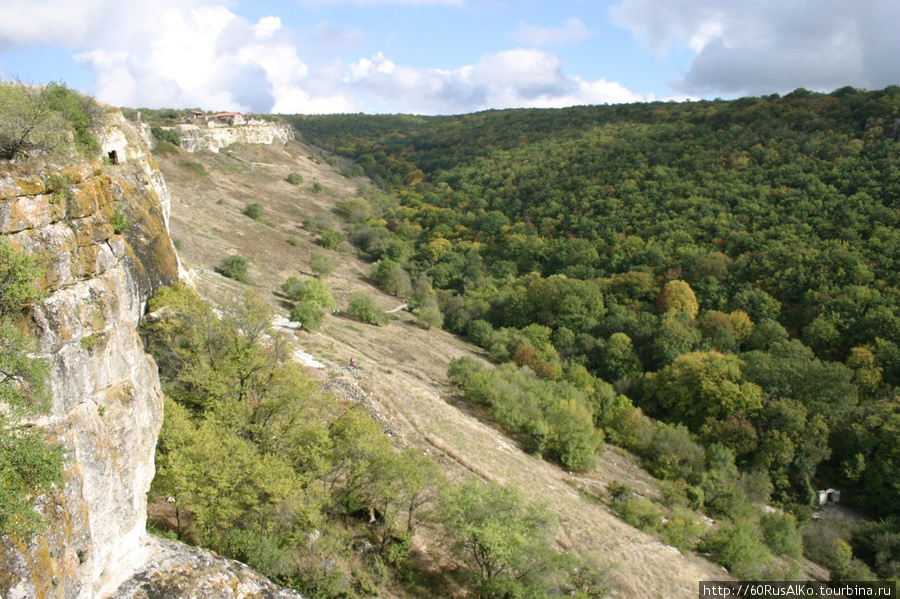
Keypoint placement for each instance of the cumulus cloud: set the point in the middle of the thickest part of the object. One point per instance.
(573, 31)
(203, 55)
(512, 78)
(199, 53)
(772, 45)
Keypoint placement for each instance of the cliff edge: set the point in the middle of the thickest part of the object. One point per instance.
(101, 226)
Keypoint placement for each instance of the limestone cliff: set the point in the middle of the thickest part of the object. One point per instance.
(102, 228)
(214, 136)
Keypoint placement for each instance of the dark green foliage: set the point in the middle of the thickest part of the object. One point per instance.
(553, 418)
(234, 267)
(294, 178)
(730, 266)
(313, 298)
(18, 274)
(78, 110)
(166, 135)
(781, 534)
(878, 544)
(362, 306)
(461, 369)
(739, 547)
(266, 468)
(330, 239)
(392, 277)
(254, 211)
(503, 540)
(120, 222)
(308, 314)
(30, 467)
(827, 543)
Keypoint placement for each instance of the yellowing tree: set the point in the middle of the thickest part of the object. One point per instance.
(703, 385)
(677, 296)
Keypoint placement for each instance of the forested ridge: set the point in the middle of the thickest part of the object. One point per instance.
(712, 285)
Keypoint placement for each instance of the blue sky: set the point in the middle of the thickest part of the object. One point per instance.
(444, 56)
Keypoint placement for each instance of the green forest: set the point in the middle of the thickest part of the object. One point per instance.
(263, 466)
(712, 285)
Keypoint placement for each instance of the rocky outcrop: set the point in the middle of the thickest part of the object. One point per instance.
(103, 234)
(101, 228)
(173, 570)
(214, 136)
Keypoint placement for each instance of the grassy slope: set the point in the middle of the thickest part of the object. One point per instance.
(403, 367)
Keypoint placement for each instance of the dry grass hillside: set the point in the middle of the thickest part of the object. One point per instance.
(403, 367)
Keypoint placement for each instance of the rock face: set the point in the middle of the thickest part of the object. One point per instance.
(174, 570)
(102, 228)
(214, 136)
(104, 233)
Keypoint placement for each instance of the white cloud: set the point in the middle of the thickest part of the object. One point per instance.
(199, 53)
(508, 79)
(383, 2)
(765, 46)
(572, 32)
(202, 55)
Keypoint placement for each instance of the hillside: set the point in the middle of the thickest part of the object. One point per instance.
(403, 367)
(709, 286)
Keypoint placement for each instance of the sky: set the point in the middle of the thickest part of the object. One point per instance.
(444, 56)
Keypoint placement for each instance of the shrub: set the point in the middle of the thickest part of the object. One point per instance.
(234, 267)
(361, 306)
(78, 111)
(479, 332)
(254, 211)
(330, 239)
(28, 126)
(318, 223)
(294, 178)
(29, 467)
(354, 209)
(291, 288)
(18, 273)
(120, 222)
(573, 441)
(169, 136)
(781, 535)
(738, 546)
(682, 529)
(393, 278)
(429, 316)
(308, 315)
(312, 291)
(320, 263)
(824, 544)
(462, 369)
(639, 512)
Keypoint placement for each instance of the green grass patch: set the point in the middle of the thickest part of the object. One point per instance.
(194, 167)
